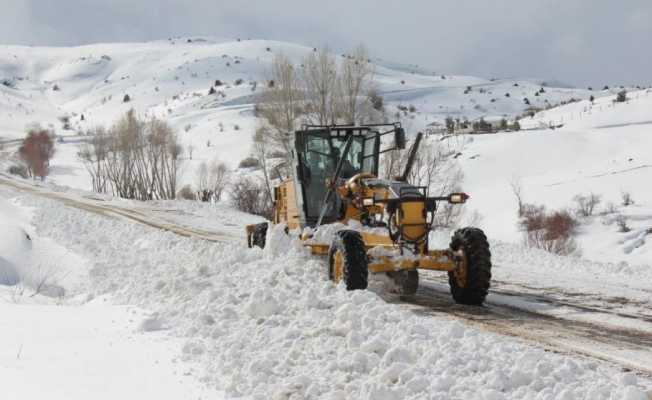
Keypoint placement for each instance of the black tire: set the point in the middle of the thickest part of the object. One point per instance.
(355, 261)
(406, 282)
(478, 259)
(258, 235)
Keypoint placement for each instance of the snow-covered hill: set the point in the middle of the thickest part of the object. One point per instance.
(172, 78)
(601, 148)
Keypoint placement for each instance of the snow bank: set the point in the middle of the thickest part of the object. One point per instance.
(268, 325)
(35, 262)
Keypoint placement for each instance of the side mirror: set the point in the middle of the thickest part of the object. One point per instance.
(399, 138)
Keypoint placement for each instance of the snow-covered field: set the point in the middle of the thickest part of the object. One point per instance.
(600, 153)
(265, 324)
(141, 312)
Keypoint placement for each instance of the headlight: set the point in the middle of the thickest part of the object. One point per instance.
(458, 198)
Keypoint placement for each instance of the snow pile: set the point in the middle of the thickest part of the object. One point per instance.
(27, 260)
(325, 233)
(270, 326)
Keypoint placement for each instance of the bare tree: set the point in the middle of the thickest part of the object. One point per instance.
(218, 178)
(281, 104)
(434, 168)
(321, 78)
(261, 139)
(136, 159)
(203, 191)
(356, 73)
(585, 204)
(93, 155)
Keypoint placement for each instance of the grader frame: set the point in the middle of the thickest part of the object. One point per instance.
(334, 180)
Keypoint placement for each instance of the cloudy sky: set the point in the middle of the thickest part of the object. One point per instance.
(582, 42)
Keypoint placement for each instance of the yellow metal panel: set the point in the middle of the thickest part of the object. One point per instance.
(374, 240)
(387, 264)
(285, 205)
(318, 249)
(412, 217)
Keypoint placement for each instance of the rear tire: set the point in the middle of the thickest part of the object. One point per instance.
(258, 235)
(474, 244)
(406, 282)
(350, 247)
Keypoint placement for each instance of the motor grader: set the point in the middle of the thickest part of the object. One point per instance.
(334, 179)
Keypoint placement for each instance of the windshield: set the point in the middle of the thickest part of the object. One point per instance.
(320, 157)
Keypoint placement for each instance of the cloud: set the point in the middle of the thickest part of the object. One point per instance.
(582, 42)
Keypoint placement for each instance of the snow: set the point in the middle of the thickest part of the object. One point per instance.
(140, 312)
(171, 79)
(39, 264)
(267, 324)
(555, 166)
(73, 352)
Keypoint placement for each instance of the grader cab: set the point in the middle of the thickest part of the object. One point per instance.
(334, 180)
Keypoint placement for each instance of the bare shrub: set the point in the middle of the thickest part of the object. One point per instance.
(218, 177)
(211, 181)
(36, 151)
(65, 122)
(611, 208)
(621, 222)
(186, 193)
(549, 231)
(621, 97)
(585, 204)
(19, 170)
(376, 100)
(249, 162)
(248, 195)
(627, 199)
(202, 181)
(517, 189)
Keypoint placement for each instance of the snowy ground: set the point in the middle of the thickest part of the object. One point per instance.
(66, 351)
(162, 300)
(258, 326)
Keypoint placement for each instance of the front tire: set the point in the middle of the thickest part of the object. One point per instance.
(471, 287)
(347, 260)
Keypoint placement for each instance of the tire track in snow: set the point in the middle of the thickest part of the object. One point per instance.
(627, 348)
(109, 210)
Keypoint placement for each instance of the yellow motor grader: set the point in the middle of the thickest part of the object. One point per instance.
(334, 179)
